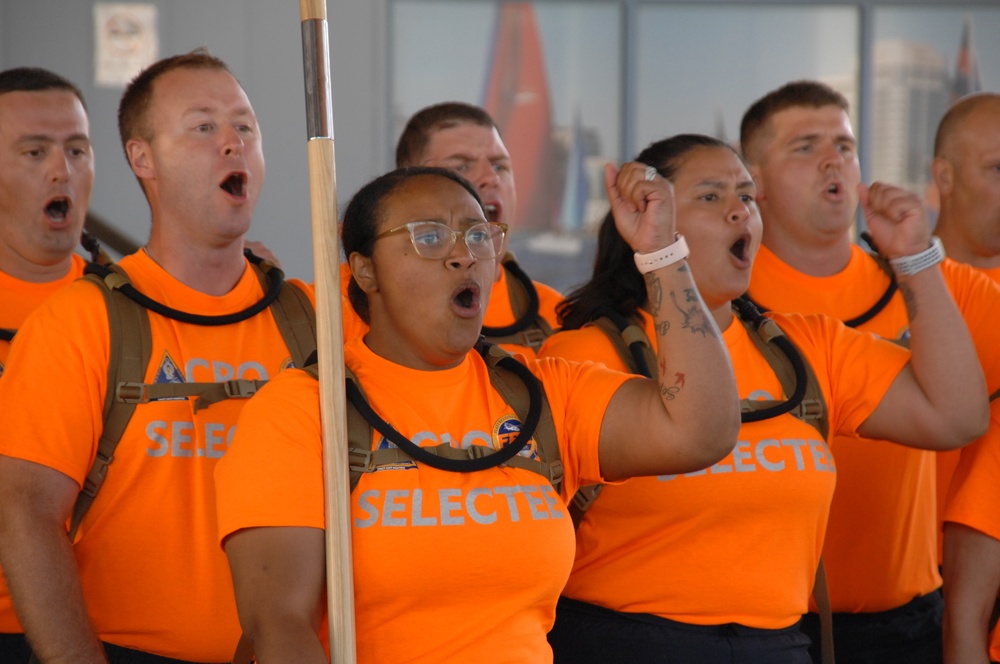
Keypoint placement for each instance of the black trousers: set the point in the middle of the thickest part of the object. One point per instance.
(908, 634)
(14, 649)
(589, 634)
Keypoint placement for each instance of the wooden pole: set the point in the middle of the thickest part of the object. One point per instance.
(329, 330)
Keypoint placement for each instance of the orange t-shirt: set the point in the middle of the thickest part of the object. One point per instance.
(948, 461)
(19, 298)
(975, 492)
(448, 567)
(738, 542)
(881, 544)
(499, 312)
(152, 574)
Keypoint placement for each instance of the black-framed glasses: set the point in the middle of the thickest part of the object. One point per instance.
(434, 240)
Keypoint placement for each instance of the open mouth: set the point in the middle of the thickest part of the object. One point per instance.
(833, 188)
(739, 249)
(57, 208)
(466, 298)
(235, 185)
(492, 212)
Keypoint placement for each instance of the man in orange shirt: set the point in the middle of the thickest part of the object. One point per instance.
(143, 579)
(966, 170)
(464, 138)
(880, 552)
(46, 177)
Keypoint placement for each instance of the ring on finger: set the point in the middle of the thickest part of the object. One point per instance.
(650, 173)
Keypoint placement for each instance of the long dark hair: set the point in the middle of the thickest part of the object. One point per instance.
(616, 283)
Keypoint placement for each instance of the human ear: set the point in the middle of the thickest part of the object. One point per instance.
(363, 269)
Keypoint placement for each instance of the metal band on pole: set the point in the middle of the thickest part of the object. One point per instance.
(329, 330)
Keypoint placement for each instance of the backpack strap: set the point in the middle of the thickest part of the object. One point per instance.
(629, 339)
(293, 313)
(131, 345)
(7, 334)
(797, 379)
(507, 376)
(528, 329)
(805, 400)
(130, 339)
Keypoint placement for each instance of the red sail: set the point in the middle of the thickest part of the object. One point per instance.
(517, 96)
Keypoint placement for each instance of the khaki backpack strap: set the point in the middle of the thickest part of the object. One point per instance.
(529, 328)
(812, 409)
(131, 342)
(207, 393)
(622, 338)
(515, 393)
(294, 315)
(821, 594)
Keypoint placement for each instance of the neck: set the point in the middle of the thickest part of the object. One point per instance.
(213, 271)
(959, 248)
(819, 259)
(23, 269)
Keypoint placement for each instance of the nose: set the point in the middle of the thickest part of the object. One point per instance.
(59, 167)
(832, 155)
(738, 211)
(232, 142)
(460, 256)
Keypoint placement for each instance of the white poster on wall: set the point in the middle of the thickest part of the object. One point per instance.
(126, 41)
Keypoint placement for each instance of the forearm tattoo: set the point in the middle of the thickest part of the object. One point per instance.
(696, 318)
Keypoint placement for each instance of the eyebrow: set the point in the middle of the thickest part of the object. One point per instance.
(720, 184)
(48, 138)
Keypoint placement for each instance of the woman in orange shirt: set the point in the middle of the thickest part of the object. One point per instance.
(455, 566)
(717, 565)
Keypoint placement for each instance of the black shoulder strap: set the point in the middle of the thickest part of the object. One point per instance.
(797, 379)
(629, 339)
(7, 334)
(519, 389)
(529, 328)
(805, 399)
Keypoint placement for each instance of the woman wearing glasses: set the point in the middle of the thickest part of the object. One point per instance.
(455, 566)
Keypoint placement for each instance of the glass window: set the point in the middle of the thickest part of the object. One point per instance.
(700, 67)
(925, 58)
(549, 74)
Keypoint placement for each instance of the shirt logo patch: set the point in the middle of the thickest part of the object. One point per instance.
(506, 430)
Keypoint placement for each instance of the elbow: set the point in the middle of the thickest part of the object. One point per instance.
(718, 439)
(959, 432)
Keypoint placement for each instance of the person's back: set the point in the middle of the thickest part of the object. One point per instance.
(880, 553)
(465, 139)
(150, 577)
(46, 177)
(966, 150)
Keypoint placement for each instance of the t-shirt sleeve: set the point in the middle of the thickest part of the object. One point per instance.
(975, 486)
(583, 345)
(578, 395)
(855, 369)
(54, 383)
(272, 474)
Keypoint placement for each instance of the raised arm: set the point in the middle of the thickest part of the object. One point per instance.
(939, 400)
(38, 561)
(689, 420)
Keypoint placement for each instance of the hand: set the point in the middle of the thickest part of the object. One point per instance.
(896, 218)
(643, 209)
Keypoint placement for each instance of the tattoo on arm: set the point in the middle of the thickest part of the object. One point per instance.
(654, 289)
(662, 328)
(696, 318)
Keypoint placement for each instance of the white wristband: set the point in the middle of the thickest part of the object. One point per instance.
(907, 265)
(669, 255)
